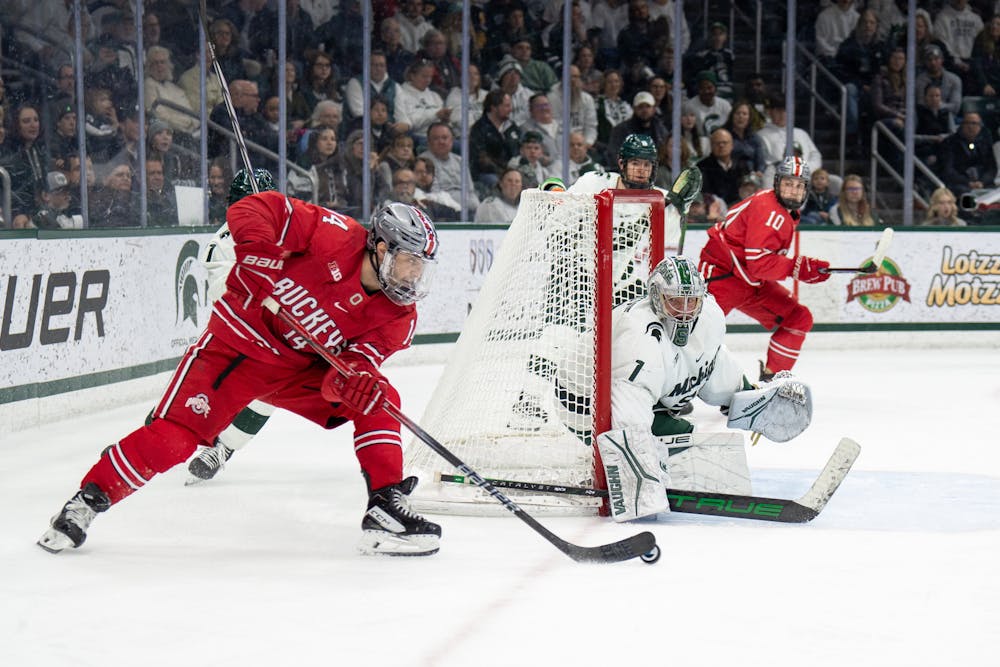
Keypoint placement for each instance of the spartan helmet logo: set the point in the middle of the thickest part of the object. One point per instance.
(186, 284)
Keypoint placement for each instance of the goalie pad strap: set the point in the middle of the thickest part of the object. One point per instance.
(631, 466)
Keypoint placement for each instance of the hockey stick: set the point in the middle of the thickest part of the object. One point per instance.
(642, 545)
(881, 248)
(801, 510)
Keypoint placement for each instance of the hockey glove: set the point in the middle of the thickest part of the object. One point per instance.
(360, 391)
(807, 269)
(685, 190)
(258, 265)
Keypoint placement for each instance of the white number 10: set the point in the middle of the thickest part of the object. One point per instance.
(775, 220)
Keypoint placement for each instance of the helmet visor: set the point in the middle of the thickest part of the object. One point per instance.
(406, 276)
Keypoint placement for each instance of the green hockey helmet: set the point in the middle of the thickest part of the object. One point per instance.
(242, 187)
(638, 147)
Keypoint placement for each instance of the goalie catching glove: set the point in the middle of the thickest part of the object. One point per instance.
(779, 410)
(258, 266)
(637, 484)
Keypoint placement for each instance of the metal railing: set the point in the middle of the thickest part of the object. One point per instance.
(877, 160)
(8, 221)
(816, 69)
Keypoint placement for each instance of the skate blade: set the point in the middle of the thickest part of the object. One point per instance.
(382, 543)
(53, 541)
(192, 480)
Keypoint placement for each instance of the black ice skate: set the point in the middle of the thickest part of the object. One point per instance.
(390, 528)
(765, 375)
(69, 527)
(208, 463)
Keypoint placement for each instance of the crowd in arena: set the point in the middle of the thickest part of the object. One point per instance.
(621, 81)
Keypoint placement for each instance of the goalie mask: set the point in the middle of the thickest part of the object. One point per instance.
(640, 151)
(406, 269)
(242, 187)
(796, 171)
(677, 292)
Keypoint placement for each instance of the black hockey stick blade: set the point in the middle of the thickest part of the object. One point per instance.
(783, 510)
(867, 268)
(642, 545)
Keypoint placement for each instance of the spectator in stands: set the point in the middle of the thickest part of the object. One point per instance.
(381, 85)
(26, 162)
(636, 40)
(62, 139)
(322, 159)
(54, 213)
(321, 81)
(664, 9)
(501, 207)
(127, 140)
(190, 81)
(611, 109)
(529, 162)
(45, 31)
(552, 37)
(643, 121)
(925, 37)
(228, 51)
(833, 25)
(943, 210)
(440, 205)
(749, 185)
(252, 22)
(608, 18)
(889, 91)
(301, 34)
(160, 87)
(451, 28)
(343, 37)
(692, 137)
(852, 208)
(417, 106)
(161, 198)
(493, 140)
(664, 177)
(536, 75)
(986, 60)
(711, 109)
(177, 168)
(297, 106)
(820, 200)
(934, 124)
(446, 68)
(353, 161)
(100, 124)
(591, 78)
(859, 59)
(114, 203)
(509, 81)
(663, 101)
(382, 131)
(64, 91)
(399, 155)
(543, 122)
(397, 58)
(721, 174)
(477, 94)
(326, 114)
(582, 108)
(246, 102)
(755, 91)
(748, 149)
(412, 24)
(580, 159)
(447, 166)
(73, 175)
(716, 58)
(957, 25)
(935, 73)
(511, 27)
(967, 160)
(890, 18)
(773, 136)
(112, 68)
(219, 179)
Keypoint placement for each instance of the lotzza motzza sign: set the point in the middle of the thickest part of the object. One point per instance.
(55, 306)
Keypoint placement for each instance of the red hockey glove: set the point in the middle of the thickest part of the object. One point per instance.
(807, 269)
(360, 391)
(258, 265)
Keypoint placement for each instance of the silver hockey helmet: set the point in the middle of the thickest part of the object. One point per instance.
(406, 269)
(792, 167)
(677, 293)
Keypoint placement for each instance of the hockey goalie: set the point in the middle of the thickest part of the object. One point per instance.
(667, 349)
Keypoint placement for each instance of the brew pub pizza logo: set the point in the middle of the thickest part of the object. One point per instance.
(879, 292)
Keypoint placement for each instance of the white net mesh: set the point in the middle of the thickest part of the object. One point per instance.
(514, 400)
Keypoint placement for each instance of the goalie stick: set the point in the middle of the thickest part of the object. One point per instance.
(642, 545)
(881, 248)
(801, 510)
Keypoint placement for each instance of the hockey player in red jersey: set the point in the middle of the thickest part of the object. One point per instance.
(354, 291)
(747, 254)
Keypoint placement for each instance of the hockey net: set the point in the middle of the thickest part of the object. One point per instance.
(527, 384)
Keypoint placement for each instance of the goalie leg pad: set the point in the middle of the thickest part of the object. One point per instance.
(711, 462)
(635, 486)
(780, 410)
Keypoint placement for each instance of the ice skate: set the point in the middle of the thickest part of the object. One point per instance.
(69, 527)
(765, 375)
(390, 528)
(208, 463)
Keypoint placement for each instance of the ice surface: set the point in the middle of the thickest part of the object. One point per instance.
(259, 566)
